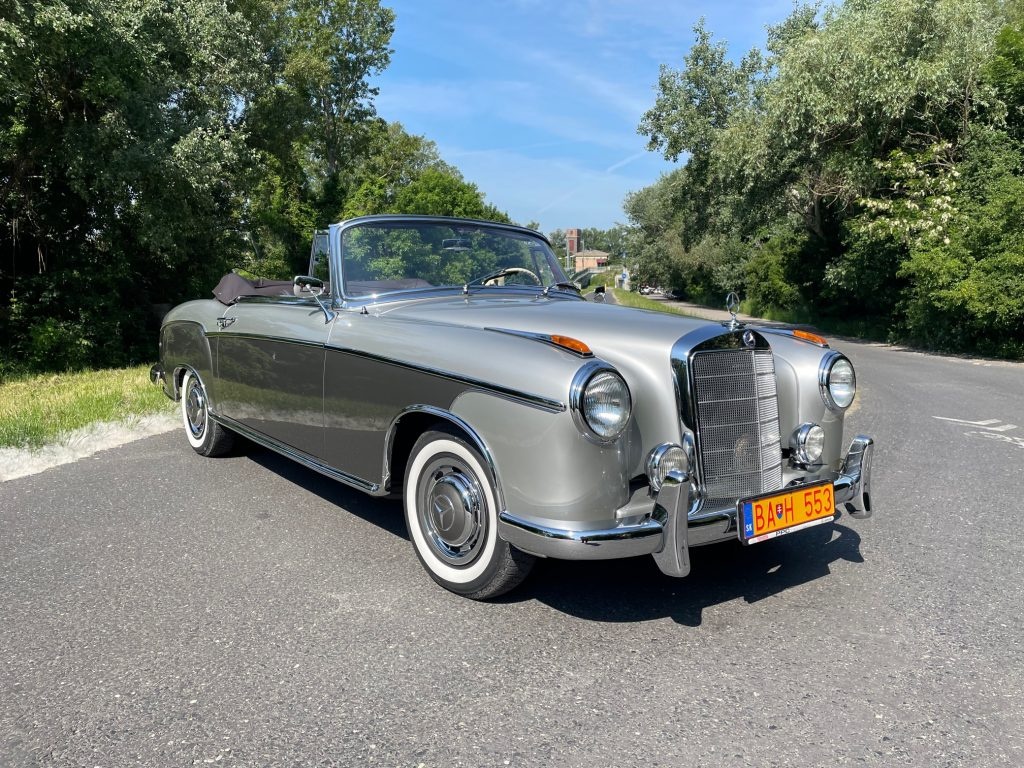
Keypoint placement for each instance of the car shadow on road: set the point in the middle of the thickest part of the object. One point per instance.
(635, 590)
(632, 589)
(384, 513)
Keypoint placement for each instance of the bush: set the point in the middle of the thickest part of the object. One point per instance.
(765, 279)
(69, 321)
(958, 303)
(865, 279)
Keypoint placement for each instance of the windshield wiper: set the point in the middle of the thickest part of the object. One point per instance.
(562, 286)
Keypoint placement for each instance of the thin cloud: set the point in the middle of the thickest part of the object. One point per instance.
(625, 161)
(538, 103)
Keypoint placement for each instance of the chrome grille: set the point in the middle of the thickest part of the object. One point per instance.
(738, 422)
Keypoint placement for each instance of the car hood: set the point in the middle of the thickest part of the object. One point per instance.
(620, 335)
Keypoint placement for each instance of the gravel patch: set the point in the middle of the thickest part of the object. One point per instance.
(20, 462)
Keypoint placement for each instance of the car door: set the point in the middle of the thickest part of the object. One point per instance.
(270, 369)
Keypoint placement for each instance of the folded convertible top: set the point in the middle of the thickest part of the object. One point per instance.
(233, 286)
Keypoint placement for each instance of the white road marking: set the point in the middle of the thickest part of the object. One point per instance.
(988, 424)
(1018, 441)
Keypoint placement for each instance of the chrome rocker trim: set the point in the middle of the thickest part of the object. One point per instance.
(666, 532)
(374, 489)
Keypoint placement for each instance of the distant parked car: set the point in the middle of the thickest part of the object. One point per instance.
(451, 362)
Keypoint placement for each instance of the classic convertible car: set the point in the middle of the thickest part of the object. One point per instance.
(451, 362)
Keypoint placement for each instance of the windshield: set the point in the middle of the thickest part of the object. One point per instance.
(384, 256)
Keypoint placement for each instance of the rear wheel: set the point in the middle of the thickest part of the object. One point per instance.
(207, 437)
(451, 513)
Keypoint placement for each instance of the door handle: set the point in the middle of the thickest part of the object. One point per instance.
(224, 322)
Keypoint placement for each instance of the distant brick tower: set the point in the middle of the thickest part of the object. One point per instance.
(572, 241)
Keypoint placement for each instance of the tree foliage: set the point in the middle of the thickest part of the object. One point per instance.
(146, 147)
(851, 158)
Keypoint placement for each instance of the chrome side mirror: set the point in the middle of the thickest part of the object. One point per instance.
(305, 286)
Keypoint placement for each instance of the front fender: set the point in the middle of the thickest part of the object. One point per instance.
(549, 472)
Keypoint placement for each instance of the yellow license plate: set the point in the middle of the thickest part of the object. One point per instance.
(765, 517)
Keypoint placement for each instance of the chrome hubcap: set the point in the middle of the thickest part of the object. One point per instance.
(451, 513)
(195, 409)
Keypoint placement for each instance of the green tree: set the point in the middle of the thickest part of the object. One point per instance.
(850, 157)
(312, 121)
(118, 128)
(440, 193)
(147, 147)
(394, 160)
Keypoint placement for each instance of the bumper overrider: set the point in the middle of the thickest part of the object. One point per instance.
(666, 533)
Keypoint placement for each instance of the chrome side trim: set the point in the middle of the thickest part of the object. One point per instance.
(464, 426)
(300, 301)
(265, 337)
(631, 540)
(527, 398)
(541, 337)
(299, 456)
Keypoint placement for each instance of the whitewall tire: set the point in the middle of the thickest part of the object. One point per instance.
(207, 437)
(452, 516)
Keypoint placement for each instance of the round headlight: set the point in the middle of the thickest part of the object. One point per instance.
(838, 382)
(662, 460)
(601, 402)
(808, 443)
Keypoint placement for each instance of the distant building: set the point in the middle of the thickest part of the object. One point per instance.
(591, 260)
(572, 241)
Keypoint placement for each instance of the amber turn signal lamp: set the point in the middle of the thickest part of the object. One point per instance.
(573, 345)
(808, 336)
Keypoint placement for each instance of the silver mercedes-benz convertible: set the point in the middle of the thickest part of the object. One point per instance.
(452, 362)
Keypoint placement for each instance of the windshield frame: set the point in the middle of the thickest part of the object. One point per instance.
(540, 247)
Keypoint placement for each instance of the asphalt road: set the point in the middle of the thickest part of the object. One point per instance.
(161, 609)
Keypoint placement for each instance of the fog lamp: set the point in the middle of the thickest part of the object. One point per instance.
(662, 460)
(807, 443)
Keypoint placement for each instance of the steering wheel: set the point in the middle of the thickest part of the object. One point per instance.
(506, 272)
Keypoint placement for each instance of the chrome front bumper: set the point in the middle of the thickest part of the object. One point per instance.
(666, 532)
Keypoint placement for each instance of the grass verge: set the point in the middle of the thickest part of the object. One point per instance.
(635, 300)
(36, 410)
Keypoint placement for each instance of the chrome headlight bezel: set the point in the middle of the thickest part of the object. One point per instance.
(838, 403)
(661, 460)
(585, 378)
(808, 438)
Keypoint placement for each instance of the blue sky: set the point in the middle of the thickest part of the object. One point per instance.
(537, 102)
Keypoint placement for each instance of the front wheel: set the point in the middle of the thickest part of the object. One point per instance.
(452, 517)
(207, 437)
